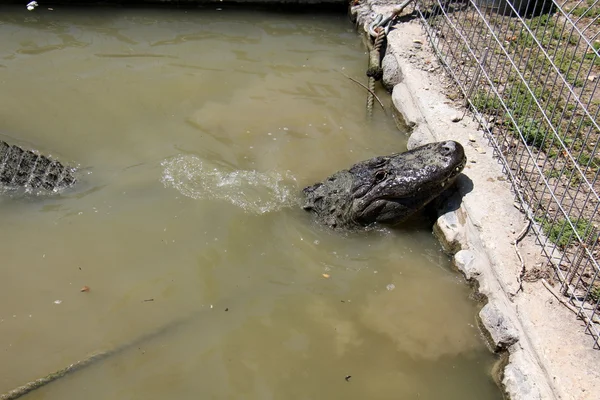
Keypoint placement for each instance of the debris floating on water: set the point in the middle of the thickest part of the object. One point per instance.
(391, 286)
(326, 276)
(85, 289)
(57, 301)
(32, 5)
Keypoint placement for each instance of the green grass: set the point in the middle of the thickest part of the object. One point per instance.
(593, 57)
(525, 111)
(520, 97)
(485, 102)
(587, 11)
(595, 293)
(546, 32)
(555, 40)
(564, 63)
(585, 160)
(552, 173)
(561, 233)
(521, 100)
(532, 132)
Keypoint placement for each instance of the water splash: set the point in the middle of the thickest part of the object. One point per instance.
(253, 191)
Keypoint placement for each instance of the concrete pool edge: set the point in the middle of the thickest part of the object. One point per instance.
(481, 231)
(478, 259)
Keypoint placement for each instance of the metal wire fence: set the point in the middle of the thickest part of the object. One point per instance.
(529, 70)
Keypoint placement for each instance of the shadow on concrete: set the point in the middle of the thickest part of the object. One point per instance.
(450, 200)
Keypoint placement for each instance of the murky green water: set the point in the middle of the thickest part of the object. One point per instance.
(194, 132)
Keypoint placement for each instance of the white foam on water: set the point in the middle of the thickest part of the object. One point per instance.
(255, 192)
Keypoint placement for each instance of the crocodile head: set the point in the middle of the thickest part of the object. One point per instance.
(387, 189)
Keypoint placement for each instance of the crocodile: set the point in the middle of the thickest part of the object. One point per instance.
(387, 189)
(20, 168)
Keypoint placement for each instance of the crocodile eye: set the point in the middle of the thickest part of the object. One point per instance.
(380, 175)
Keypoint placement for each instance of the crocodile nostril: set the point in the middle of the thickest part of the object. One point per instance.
(448, 148)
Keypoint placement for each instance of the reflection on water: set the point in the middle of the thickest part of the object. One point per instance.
(194, 133)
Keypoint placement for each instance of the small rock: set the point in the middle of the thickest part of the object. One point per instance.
(392, 74)
(500, 329)
(480, 150)
(472, 138)
(486, 125)
(417, 41)
(463, 260)
(449, 227)
(456, 118)
(518, 382)
(592, 78)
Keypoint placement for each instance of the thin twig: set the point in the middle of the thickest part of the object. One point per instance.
(559, 297)
(516, 245)
(366, 88)
(578, 312)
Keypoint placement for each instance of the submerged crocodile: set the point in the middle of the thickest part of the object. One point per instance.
(385, 190)
(21, 168)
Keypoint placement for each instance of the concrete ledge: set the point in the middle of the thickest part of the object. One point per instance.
(480, 230)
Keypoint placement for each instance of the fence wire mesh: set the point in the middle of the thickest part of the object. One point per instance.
(529, 70)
